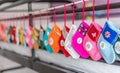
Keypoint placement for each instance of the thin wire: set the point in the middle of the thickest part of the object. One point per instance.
(33, 16)
(21, 20)
(108, 9)
(57, 7)
(24, 20)
(40, 18)
(47, 17)
(41, 21)
(54, 15)
(73, 12)
(29, 19)
(16, 20)
(65, 14)
(93, 12)
(83, 10)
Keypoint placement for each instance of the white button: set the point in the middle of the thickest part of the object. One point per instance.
(32, 41)
(47, 33)
(117, 47)
(79, 40)
(45, 42)
(62, 43)
(51, 41)
(102, 45)
(88, 46)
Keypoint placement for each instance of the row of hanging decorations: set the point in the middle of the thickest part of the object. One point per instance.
(85, 41)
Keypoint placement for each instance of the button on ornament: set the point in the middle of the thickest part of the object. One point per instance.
(88, 46)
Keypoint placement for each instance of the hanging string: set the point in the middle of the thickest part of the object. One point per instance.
(93, 12)
(54, 15)
(24, 20)
(40, 18)
(5, 18)
(65, 14)
(108, 8)
(47, 17)
(5, 22)
(10, 17)
(34, 23)
(29, 20)
(11, 21)
(83, 10)
(21, 17)
(41, 21)
(73, 11)
(16, 19)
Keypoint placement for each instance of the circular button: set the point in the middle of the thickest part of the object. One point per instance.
(79, 40)
(47, 33)
(117, 47)
(88, 46)
(102, 45)
(45, 42)
(62, 43)
(32, 40)
(51, 41)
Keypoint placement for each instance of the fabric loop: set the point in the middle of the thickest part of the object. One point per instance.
(93, 12)
(40, 18)
(108, 7)
(33, 16)
(64, 14)
(47, 17)
(73, 12)
(54, 15)
(83, 10)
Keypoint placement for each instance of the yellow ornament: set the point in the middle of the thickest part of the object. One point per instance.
(21, 36)
(35, 38)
